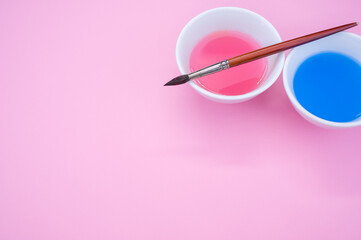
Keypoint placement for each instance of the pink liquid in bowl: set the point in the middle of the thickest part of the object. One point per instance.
(223, 45)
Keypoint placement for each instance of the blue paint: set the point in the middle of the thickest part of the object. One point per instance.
(328, 85)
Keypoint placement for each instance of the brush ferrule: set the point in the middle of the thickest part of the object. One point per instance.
(209, 70)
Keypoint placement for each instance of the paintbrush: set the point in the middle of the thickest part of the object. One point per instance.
(257, 54)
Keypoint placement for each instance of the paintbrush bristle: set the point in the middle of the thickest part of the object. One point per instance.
(178, 80)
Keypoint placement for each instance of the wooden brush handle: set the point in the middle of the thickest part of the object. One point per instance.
(279, 47)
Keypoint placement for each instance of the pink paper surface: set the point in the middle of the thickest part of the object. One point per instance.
(92, 146)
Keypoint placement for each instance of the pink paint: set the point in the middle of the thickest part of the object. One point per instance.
(223, 45)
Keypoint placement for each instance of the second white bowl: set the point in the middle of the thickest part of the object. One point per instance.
(345, 43)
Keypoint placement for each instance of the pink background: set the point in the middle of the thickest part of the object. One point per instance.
(92, 146)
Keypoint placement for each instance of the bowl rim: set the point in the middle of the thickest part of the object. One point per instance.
(309, 116)
(233, 98)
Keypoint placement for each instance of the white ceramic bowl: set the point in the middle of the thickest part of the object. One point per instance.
(233, 19)
(343, 42)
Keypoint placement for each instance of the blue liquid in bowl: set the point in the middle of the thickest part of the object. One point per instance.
(328, 85)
